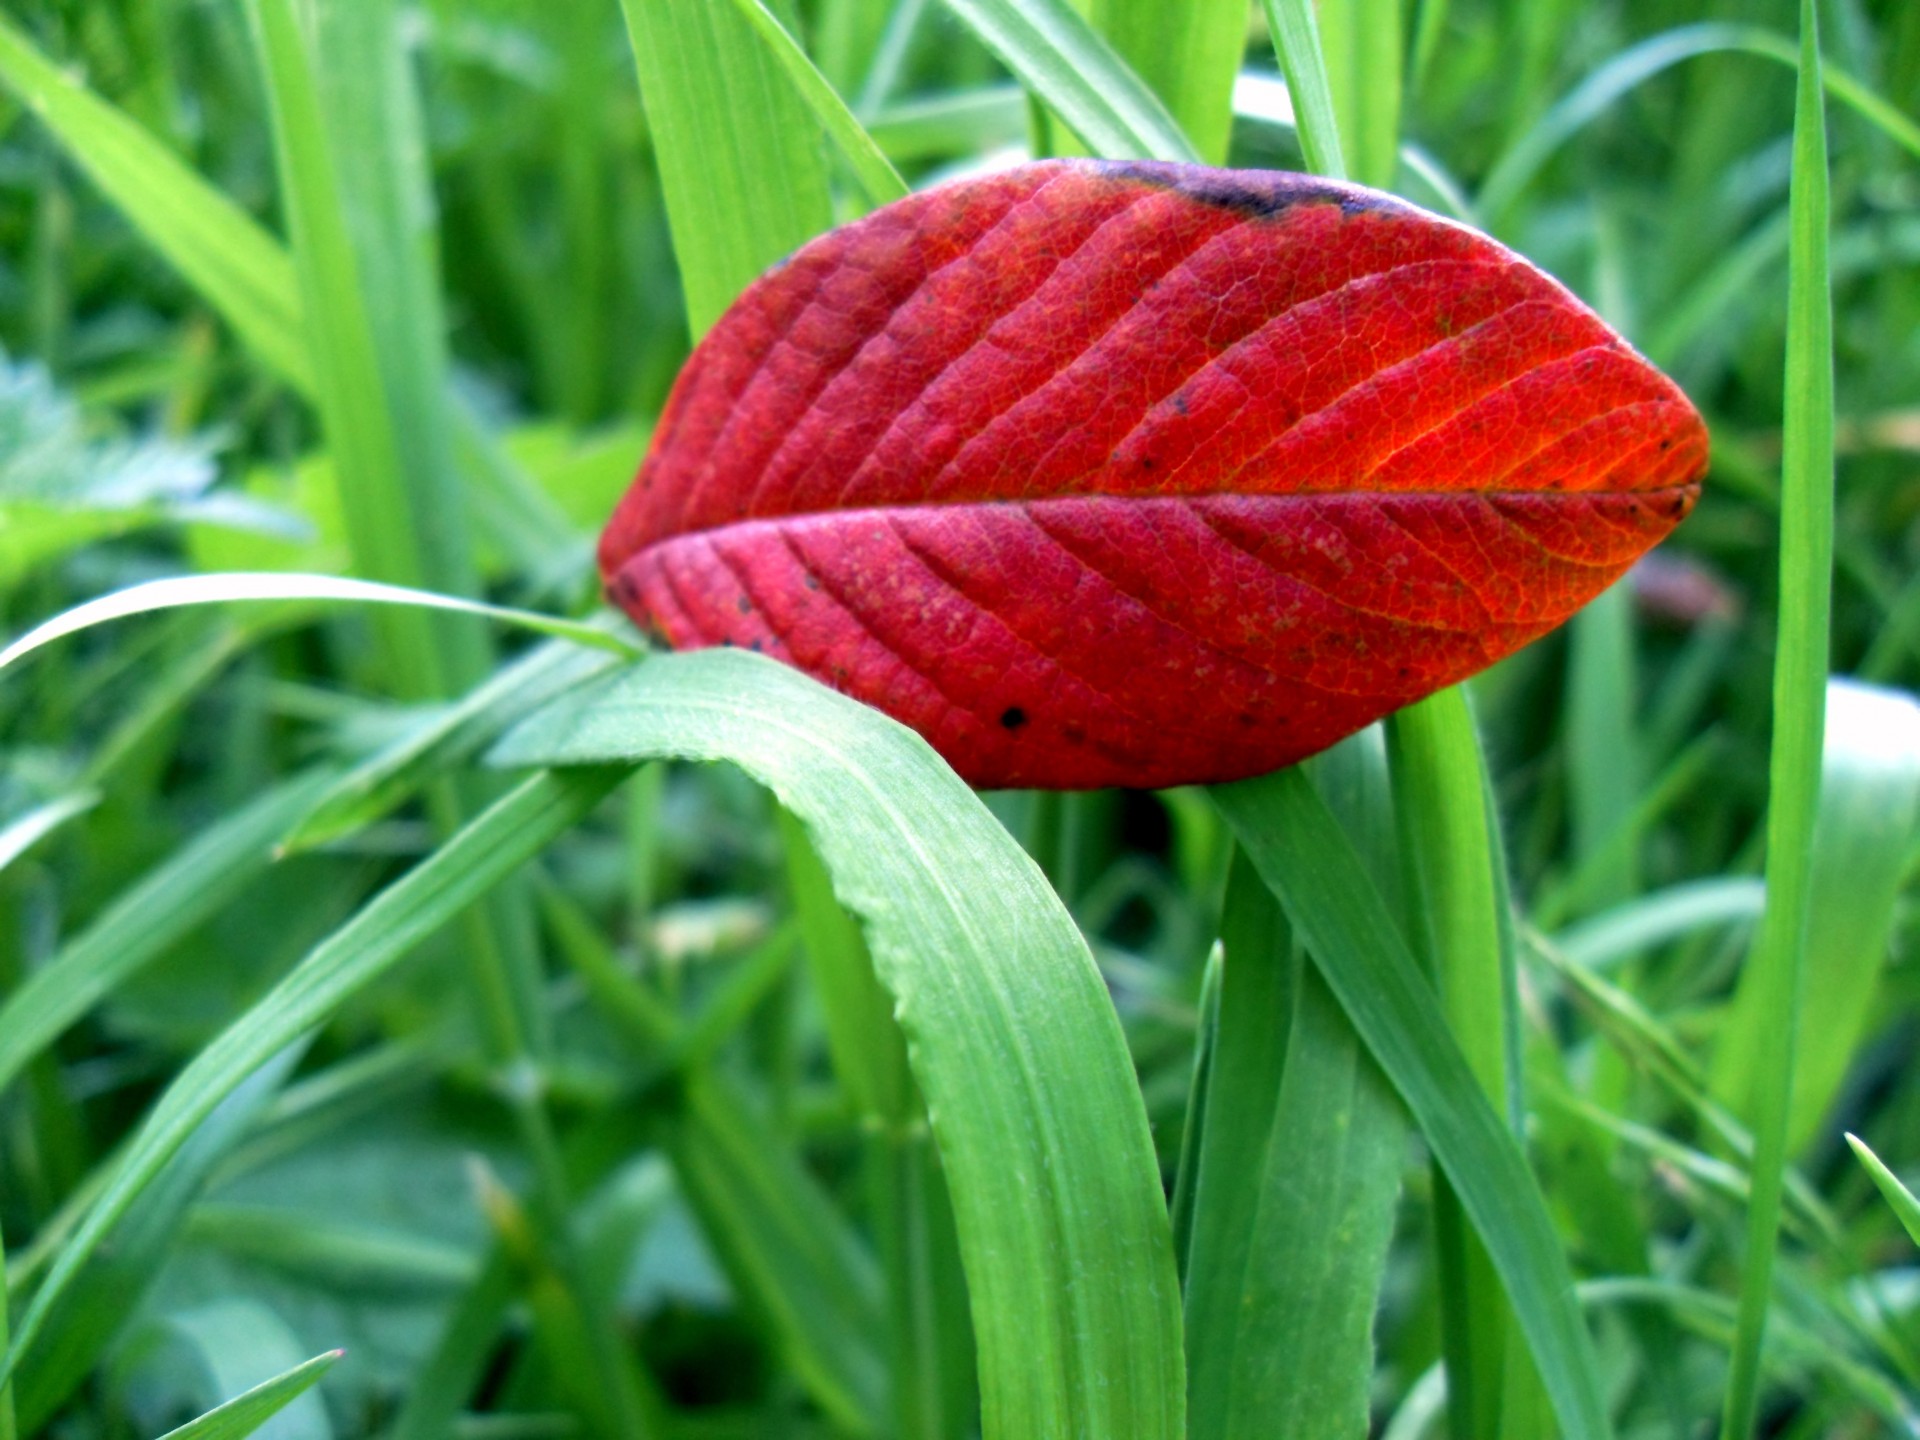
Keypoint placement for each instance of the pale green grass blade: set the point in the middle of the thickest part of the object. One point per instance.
(1296, 38)
(1187, 55)
(223, 254)
(869, 165)
(1898, 1196)
(740, 156)
(1778, 960)
(246, 1413)
(1515, 170)
(21, 835)
(1302, 854)
(1868, 809)
(357, 954)
(1666, 915)
(1063, 61)
(1029, 1089)
(1361, 44)
(1298, 1169)
(194, 883)
(275, 587)
(1186, 1177)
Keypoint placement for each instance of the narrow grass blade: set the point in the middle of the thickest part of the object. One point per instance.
(1901, 1199)
(1296, 37)
(740, 157)
(1062, 60)
(169, 902)
(1293, 1202)
(362, 950)
(963, 123)
(280, 587)
(870, 167)
(246, 1413)
(1188, 55)
(1869, 807)
(1302, 854)
(1633, 67)
(20, 836)
(1186, 1179)
(1030, 1092)
(1778, 960)
(1603, 761)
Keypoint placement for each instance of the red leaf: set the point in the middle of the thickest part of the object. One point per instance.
(1142, 474)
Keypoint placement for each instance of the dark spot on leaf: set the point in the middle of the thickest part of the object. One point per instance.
(1073, 735)
(812, 581)
(743, 605)
(1013, 717)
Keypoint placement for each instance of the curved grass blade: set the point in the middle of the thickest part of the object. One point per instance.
(1304, 856)
(1636, 65)
(274, 586)
(1030, 1093)
(1777, 965)
(246, 1413)
(1063, 60)
(1666, 915)
(23, 834)
(354, 956)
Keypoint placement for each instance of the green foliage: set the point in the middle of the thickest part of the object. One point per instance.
(1518, 1098)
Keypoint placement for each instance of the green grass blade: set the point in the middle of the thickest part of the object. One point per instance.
(224, 255)
(870, 167)
(1187, 55)
(1301, 852)
(1778, 960)
(1062, 60)
(362, 950)
(1603, 761)
(1898, 1196)
(1296, 38)
(1298, 1169)
(1653, 920)
(168, 903)
(278, 587)
(740, 156)
(246, 1413)
(1193, 1132)
(1031, 1095)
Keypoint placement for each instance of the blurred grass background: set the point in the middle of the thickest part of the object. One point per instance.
(598, 1161)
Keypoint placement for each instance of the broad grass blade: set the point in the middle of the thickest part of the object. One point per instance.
(1296, 38)
(740, 156)
(1188, 55)
(1030, 1093)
